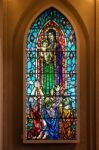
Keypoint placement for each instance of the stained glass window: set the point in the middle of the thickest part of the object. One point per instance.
(50, 80)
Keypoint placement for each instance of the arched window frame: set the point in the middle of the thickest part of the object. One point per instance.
(78, 90)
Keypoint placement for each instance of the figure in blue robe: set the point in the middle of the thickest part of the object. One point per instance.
(52, 127)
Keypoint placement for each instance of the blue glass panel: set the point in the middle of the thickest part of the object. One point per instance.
(51, 92)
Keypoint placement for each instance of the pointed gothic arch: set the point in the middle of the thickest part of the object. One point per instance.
(51, 69)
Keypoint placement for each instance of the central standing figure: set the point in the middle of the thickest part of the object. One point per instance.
(51, 53)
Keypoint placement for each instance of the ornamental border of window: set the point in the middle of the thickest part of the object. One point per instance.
(54, 26)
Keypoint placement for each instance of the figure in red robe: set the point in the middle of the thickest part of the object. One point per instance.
(37, 123)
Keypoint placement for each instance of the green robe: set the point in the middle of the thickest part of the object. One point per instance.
(48, 77)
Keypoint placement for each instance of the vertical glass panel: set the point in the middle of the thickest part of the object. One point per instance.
(51, 80)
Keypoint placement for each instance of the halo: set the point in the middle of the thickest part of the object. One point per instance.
(53, 28)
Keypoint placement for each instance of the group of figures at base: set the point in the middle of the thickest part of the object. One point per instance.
(52, 116)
